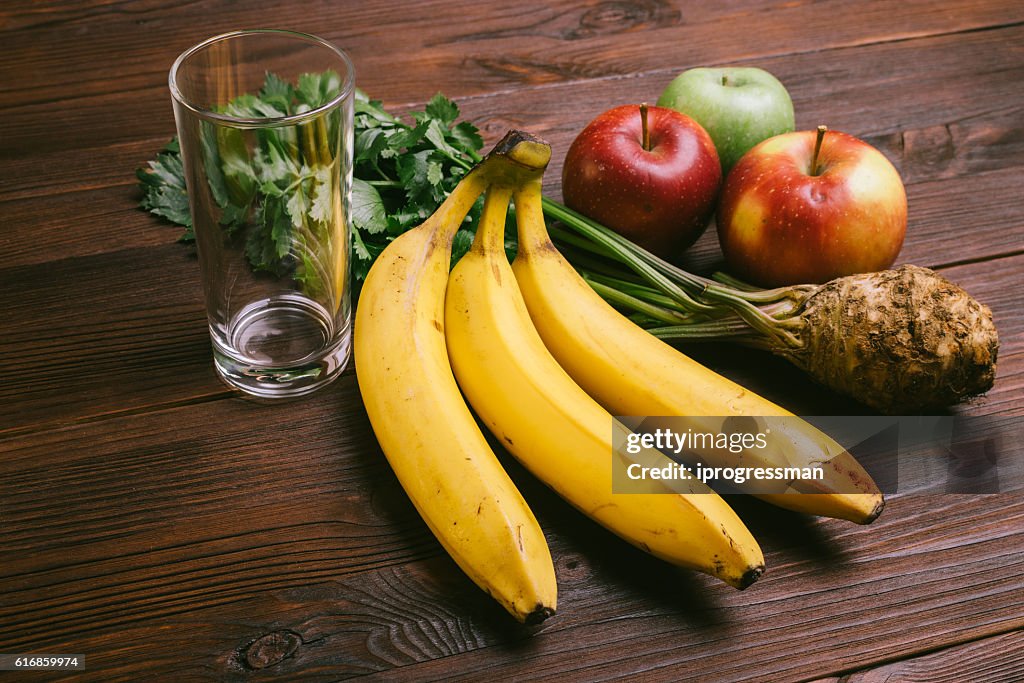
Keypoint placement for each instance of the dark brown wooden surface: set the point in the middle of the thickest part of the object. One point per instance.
(168, 529)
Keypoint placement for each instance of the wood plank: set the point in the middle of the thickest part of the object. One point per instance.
(88, 222)
(106, 163)
(100, 47)
(92, 335)
(225, 488)
(191, 531)
(766, 640)
(998, 659)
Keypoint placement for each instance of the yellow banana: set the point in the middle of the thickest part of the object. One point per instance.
(424, 427)
(555, 429)
(630, 372)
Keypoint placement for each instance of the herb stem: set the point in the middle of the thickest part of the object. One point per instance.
(769, 313)
(616, 296)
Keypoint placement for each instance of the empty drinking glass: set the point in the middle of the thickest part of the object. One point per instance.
(264, 121)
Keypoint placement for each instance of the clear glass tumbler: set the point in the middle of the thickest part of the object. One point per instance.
(264, 121)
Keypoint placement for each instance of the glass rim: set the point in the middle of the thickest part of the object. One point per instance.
(347, 85)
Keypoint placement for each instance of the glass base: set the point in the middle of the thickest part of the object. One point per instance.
(281, 347)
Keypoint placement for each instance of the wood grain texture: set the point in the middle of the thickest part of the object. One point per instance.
(94, 335)
(459, 46)
(173, 531)
(943, 81)
(298, 534)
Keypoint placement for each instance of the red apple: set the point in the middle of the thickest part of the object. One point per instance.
(811, 206)
(649, 173)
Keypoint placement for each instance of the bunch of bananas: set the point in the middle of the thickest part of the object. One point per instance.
(545, 363)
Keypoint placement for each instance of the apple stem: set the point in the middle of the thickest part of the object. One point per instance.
(817, 148)
(645, 131)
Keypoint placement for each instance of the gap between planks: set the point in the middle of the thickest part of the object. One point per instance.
(864, 674)
(406, 106)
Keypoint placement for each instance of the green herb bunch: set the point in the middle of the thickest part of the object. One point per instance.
(401, 174)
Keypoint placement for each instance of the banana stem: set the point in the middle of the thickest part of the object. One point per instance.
(515, 159)
(490, 235)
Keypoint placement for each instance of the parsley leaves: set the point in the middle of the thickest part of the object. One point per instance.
(163, 188)
(402, 171)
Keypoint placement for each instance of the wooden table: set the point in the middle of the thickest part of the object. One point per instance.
(170, 530)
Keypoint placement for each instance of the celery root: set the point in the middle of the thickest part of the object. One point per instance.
(904, 340)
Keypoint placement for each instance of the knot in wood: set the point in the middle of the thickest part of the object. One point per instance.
(270, 649)
(618, 16)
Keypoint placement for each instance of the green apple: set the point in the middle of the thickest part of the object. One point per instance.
(739, 107)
